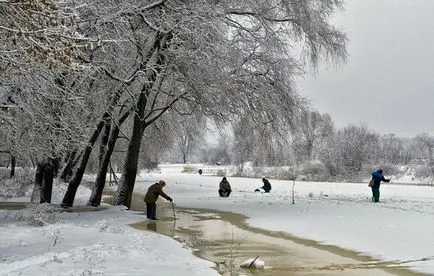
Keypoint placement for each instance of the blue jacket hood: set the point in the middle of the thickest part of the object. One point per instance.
(377, 174)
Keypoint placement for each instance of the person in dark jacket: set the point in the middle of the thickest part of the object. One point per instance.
(154, 191)
(267, 185)
(225, 188)
(377, 176)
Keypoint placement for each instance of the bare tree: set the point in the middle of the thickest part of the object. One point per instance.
(259, 143)
(189, 134)
(426, 144)
(219, 150)
(50, 116)
(395, 150)
(346, 152)
(157, 141)
(219, 59)
(193, 57)
(310, 130)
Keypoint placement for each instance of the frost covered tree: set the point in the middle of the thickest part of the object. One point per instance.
(426, 146)
(158, 140)
(41, 44)
(224, 58)
(310, 129)
(258, 143)
(395, 150)
(189, 134)
(219, 59)
(45, 31)
(349, 149)
(219, 150)
(48, 119)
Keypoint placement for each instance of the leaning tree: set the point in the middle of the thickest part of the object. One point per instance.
(223, 59)
(310, 131)
(219, 59)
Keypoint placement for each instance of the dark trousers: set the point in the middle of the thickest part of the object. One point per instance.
(224, 193)
(376, 193)
(151, 210)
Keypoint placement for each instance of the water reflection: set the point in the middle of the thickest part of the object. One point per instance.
(225, 239)
(151, 226)
(217, 238)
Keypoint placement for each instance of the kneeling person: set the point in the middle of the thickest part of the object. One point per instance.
(225, 188)
(267, 185)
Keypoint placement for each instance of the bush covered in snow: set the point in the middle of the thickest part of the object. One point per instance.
(43, 215)
(109, 226)
(16, 186)
(424, 172)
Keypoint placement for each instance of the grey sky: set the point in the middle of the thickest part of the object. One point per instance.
(388, 81)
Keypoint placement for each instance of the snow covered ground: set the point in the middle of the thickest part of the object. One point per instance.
(89, 243)
(101, 243)
(399, 228)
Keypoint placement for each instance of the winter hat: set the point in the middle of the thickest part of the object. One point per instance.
(162, 183)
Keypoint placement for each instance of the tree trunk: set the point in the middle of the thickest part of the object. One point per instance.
(67, 169)
(126, 184)
(103, 147)
(95, 198)
(47, 185)
(56, 166)
(39, 177)
(68, 199)
(13, 163)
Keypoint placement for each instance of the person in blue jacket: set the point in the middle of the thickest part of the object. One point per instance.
(378, 177)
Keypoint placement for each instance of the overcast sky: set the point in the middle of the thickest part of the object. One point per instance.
(388, 80)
